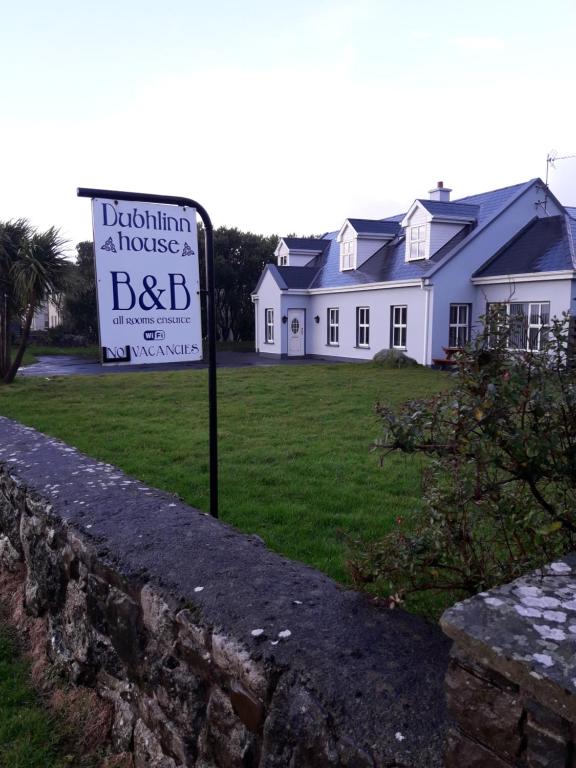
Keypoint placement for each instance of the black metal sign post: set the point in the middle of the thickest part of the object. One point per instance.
(108, 194)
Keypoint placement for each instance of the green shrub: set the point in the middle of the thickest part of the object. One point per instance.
(499, 485)
(393, 358)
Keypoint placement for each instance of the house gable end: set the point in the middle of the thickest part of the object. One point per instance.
(272, 270)
(482, 227)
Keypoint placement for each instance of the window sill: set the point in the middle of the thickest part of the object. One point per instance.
(332, 345)
(400, 349)
(362, 346)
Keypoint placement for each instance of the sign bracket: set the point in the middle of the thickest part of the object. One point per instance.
(187, 202)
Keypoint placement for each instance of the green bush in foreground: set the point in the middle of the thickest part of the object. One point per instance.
(500, 484)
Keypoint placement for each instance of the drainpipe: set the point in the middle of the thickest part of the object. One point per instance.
(256, 323)
(427, 287)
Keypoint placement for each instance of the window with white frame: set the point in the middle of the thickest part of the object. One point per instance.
(283, 260)
(269, 326)
(459, 325)
(399, 326)
(528, 323)
(417, 242)
(362, 326)
(333, 326)
(348, 254)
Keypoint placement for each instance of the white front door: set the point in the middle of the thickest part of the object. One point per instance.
(296, 326)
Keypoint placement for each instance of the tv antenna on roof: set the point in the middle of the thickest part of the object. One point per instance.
(551, 158)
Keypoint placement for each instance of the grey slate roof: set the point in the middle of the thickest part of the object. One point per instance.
(389, 264)
(329, 275)
(454, 210)
(304, 243)
(571, 211)
(376, 226)
(492, 202)
(544, 245)
(297, 277)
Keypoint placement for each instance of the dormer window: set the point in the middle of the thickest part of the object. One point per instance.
(348, 254)
(417, 242)
(283, 260)
(430, 224)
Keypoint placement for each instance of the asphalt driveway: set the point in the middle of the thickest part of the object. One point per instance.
(69, 365)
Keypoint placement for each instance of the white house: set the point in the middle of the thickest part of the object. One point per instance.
(48, 315)
(419, 281)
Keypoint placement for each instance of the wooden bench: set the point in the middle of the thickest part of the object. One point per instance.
(449, 361)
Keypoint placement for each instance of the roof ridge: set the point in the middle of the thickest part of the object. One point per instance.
(451, 202)
(295, 237)
(499, 189)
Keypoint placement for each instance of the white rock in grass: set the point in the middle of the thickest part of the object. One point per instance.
(284, 634)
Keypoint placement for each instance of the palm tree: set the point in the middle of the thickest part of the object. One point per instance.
(13, 236)
(40, 271)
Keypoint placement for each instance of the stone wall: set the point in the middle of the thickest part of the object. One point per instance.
(511, 684)
(213, 651)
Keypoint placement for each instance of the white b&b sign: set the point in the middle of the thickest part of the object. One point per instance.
(148, 282)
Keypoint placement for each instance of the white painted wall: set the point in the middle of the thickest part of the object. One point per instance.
(366, 247)
(379, 301)
(40, 321)
(558, 292)
(296, 259)
(269, 297)
(440, 233)
(348, 233)
(419, 216)
(46, 316)
(452, 282)
(281, 251)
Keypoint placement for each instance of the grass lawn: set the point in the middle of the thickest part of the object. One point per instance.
(34, 351)
(27, 737)
(295, 464)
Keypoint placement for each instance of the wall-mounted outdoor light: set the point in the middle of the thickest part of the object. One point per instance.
(317, 319)
(284, 319)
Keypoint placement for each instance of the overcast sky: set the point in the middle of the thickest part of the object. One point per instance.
(281, 116)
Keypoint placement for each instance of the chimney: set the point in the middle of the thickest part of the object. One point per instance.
(441, 193)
